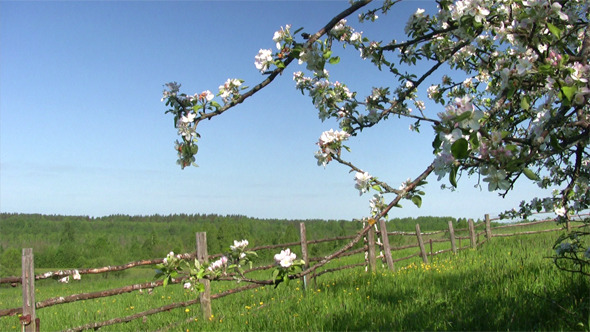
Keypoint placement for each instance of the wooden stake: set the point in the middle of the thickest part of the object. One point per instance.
(371, 250)
(304, 253)
(421, 244)
(203, 257)
(452, 234)
(472, 234)
(386, 246)
(29, 318)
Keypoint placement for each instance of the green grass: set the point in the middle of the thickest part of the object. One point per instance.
(507, 284)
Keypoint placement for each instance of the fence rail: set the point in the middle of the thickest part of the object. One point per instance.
(424, 241)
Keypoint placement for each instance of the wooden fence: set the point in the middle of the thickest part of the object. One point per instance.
(424, 241)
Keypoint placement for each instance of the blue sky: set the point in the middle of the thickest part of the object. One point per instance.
(83, 131)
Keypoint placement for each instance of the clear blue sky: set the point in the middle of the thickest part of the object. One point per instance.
(83, 131)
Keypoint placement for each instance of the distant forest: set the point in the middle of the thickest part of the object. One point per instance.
(81, 241)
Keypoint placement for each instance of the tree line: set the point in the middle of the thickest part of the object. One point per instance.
(60, 241)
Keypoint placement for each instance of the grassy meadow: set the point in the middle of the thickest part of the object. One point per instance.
(506, 284)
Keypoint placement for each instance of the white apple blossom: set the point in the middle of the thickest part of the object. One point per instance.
(217, 264)
(560, 211)
(285, 258)
(363, 182)
(281, 35)
(496, 179)
(239, 245)
(263, 60)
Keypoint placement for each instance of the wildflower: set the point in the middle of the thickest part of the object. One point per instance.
(187, 285)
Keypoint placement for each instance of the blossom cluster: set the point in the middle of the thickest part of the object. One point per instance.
(230, 90)
(330, 144)
(263, 60)
(218, 264)
(285, 258)
(239, 245)
(345, 33)
(363, 182)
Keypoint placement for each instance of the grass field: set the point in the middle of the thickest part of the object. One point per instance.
(507, 284)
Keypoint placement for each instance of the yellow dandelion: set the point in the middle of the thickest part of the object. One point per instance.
(261, 303)
(187, 310)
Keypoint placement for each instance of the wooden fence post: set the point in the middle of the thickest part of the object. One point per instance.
(488, 228)
(304, 253)
(29, 317)
(452, 234)
(421, 244)
(371, 250)
(472, 233)
(386, 246)
(203, 257)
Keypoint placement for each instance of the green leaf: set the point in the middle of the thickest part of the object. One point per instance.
(474, 140)
(275, 274)
(165, 283)
(554, 30)
(327, 54)
(530, 174)
(463, 116)
(334, 60)
(417, 200)
(569, 92)
(524, 103)
(436, 143)
(459, 149)
(453, 176)
(545, 69)
(377, 188)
